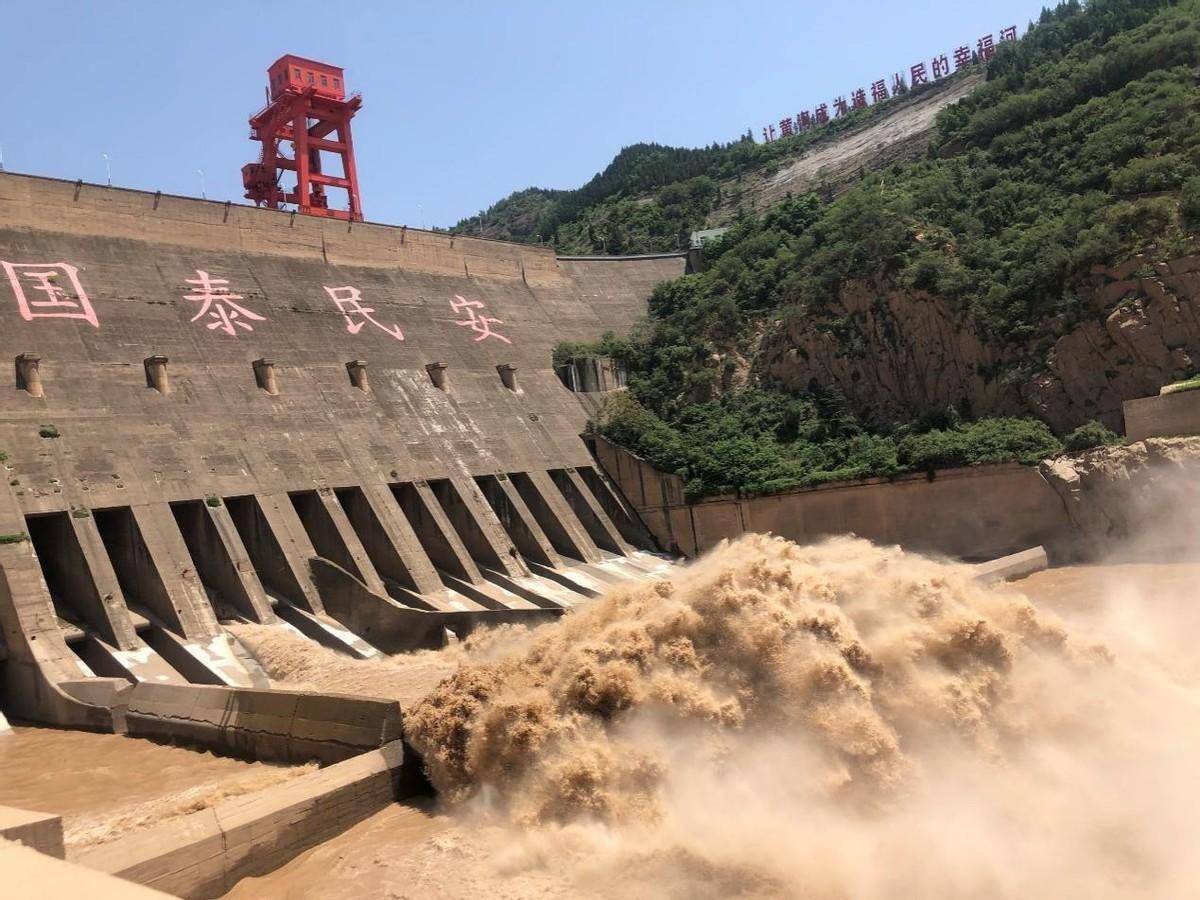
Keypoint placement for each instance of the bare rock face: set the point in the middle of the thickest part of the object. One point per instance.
(1141, 501)
(898, 354)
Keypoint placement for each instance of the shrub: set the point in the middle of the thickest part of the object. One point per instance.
(1189, 202)
(48, 431)
(985, 441)
(1088, 435)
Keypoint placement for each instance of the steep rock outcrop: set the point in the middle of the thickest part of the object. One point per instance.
(897, 354)
(1142, 500)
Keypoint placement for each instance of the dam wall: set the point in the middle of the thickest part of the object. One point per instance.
(205, 400)
(976, 513)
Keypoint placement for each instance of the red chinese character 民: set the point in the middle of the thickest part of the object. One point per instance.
(219, 304)
(941, 66)
(47, 299)
(985, 47)
(785, 127)
(858, 100)
(349, 301)
(918, 75)
(1008, 34)
(481, 325)
(898, 85)
(821, 114)
(879, 91)
(840, 107)
(962, 57)
(804, 120)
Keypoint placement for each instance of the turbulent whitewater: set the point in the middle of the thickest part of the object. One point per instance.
(835, 720)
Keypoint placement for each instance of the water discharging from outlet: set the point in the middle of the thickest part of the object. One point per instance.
(841, 720)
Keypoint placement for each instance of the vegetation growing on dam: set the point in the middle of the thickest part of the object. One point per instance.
(1082, 148)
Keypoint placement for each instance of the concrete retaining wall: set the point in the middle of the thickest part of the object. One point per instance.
(268, 725)
(206, 853)
(974, 513)
(1167, 415)
(41, 831)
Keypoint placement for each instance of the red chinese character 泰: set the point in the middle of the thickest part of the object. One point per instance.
(879, 91)
(840, 107)
(941, 66)
(985, 48)
(481, 325)
(349, 301)
(962, 57)
(821, 114)
(858, 100)
(898, 85)
(47, 299)
(219, 304)
(1008, 34)
(785, 127)
(918, 75)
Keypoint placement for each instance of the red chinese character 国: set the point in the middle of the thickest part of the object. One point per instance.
(941, 66)
(985, 47)
(918, 75)
(879, 91)
(46, 298)
(962, 57)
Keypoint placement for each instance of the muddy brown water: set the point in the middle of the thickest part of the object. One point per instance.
(418, 851)
(106, 784)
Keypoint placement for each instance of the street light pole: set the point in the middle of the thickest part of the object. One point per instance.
(107, 169)
(203, 190)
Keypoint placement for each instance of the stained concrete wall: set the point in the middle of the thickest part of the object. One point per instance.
(206, 853)
(229, 301)
(973, 513)
(1167, 415)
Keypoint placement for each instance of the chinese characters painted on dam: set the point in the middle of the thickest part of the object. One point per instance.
(40, 295)
(55, 291)
(348, 300)
(219, 304)
(480, 324)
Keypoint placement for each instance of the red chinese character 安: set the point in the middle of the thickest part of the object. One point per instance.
(480, 324)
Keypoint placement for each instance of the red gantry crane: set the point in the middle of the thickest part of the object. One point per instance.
(308, 107)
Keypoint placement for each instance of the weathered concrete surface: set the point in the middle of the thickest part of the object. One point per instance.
(1015, 565)
(159, 512)
(973, 513)
(31, 875)
(1167, 415)
(208, 852)
(266, 725)
(42, 832)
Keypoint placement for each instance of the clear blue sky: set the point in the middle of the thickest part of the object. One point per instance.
(464, 100)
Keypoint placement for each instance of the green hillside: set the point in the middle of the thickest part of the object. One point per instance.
(1082, 147)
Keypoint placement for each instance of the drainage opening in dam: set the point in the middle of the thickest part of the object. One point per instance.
(79, 606)
(380, 549)
(206, 539)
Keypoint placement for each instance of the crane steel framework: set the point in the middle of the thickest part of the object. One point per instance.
(306, 105)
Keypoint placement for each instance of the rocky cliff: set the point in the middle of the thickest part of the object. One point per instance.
(899, 354)
(1141, 501)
